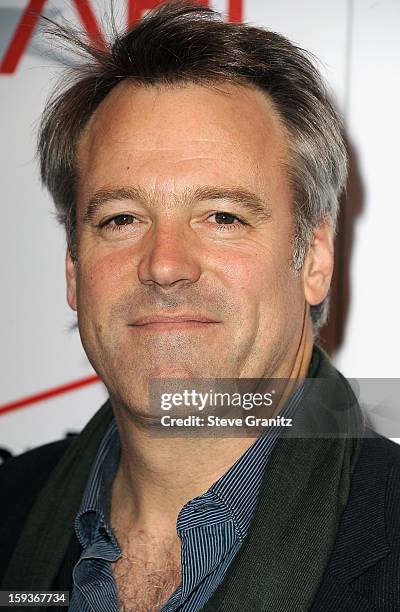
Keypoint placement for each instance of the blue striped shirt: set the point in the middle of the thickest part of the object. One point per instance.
(211, 527)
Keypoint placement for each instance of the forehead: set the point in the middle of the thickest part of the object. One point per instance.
(223, 133)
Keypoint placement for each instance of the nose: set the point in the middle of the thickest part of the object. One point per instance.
(169, 258)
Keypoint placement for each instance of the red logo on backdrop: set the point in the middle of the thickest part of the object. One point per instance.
(135, 9)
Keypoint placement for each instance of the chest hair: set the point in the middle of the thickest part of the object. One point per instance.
(146, 576)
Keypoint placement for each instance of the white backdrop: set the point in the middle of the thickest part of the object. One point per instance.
(358, 46)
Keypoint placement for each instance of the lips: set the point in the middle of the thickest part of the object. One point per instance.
(186, 318)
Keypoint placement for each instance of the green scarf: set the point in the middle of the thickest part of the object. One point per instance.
(303, 495)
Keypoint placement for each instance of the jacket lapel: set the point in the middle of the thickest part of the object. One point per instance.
(47, 533)
(361, 540)
(360, 543)
(334, 596)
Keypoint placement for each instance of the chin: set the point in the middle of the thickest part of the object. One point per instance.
(172, 371)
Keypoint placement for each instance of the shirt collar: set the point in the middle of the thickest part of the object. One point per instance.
(93, 515)
(233, 497)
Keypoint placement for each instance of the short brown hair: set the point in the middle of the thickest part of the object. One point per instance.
(182, 42)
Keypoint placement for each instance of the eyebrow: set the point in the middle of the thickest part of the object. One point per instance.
(239, 195)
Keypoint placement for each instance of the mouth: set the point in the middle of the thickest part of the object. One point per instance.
(173, 322)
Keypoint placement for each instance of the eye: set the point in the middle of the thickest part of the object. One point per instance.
(225, 222)
(118, 223)
(225, 218)
(119, 220)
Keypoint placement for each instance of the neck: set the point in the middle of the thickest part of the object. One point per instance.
(158, 476)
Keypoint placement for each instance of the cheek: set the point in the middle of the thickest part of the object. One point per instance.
(255, 279)
(101, 278)
(270, 295)
(255, 270)
(238, 270)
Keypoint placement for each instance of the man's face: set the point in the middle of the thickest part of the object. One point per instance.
(184, 238)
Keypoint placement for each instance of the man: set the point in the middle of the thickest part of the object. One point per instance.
(197, 166)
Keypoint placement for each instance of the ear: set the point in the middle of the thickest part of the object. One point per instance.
(318, 266)
(70, 273)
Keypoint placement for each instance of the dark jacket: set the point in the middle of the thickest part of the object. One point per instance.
(363, 572)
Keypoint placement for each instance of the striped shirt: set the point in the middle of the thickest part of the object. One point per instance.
(211, 527)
